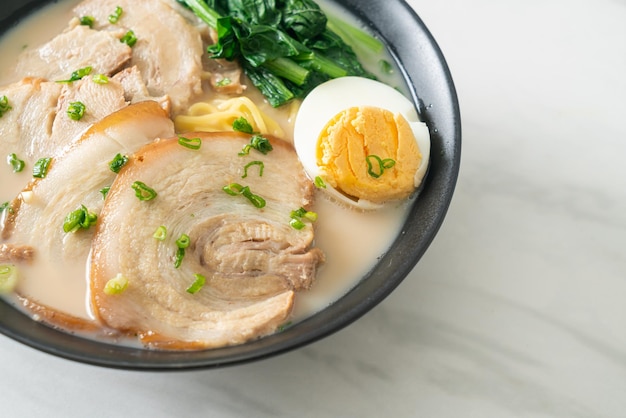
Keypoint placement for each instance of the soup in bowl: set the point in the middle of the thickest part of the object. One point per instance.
(167, 206)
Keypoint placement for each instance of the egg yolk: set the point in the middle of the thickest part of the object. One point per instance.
(355, 141)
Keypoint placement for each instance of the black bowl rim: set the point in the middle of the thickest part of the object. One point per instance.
(433, 91)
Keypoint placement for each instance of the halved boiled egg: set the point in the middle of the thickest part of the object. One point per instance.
(364, 139)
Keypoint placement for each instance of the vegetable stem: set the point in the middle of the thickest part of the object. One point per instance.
(204, 12)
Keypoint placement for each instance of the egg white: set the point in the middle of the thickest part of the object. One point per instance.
(334, 96)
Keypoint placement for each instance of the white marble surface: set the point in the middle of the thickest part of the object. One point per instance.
(518, 309)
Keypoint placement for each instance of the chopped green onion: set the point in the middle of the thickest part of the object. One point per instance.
(8, 278)
(283, 327)
(180, 254)
(87, 21)
(199, 281)
(299, 215)
(115, 16)
(40, 169)
(6, 206)
(80, 218)
(183, 241)
(105, 191)
(319, 182)
(16, 163)
(259, 143)
(129, 38)
(296, 223)
(142, 191)
(4, 105)
(76, 110)
(235, 189)
(116, 285)
(118, 162)
(100, 79)
(160, 233)
(223, 82)
(385, 66)
(382, 165)
(259, 163)
(241, 124)
(77, 75)
(191, 143)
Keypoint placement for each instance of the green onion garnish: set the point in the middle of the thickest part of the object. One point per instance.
(180, 254)
(142, 191)
(16, 163)
(118, 162)
(115, 16)
(191, 143)
(4, 105)
(100, 79)
(105, 191)
(235, 189)
(129, 38)
(245, 168)
(8, 278)
(77, 75)
(382, 165)
(224, 82)
(183, 241)
(259, 143)
(241, 124)
(40, 169)
(298, 217)
(160, 233)
(319, 182)
(197, 284)
(76, 110)
(116, 285)
(87, 21)
(80, 218)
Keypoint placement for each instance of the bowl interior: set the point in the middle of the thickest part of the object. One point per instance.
(428, 76)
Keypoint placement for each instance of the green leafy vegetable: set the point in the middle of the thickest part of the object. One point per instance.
(80, 218)
(40, 169)
(4, 105)
(15, 163)
(76, 110)
(285, 47)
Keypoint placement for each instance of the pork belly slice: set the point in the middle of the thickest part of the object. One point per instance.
(28, 124)
(99, 99)
(135, 89)
(77, 47)
(252, 259)
(74, 178)
(168, 50)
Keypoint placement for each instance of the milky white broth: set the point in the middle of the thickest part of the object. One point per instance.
(352, 241)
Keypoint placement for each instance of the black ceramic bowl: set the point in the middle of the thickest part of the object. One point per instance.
(434, 94)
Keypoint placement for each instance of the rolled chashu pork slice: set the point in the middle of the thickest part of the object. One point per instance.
(35, 225)
(252, 259)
